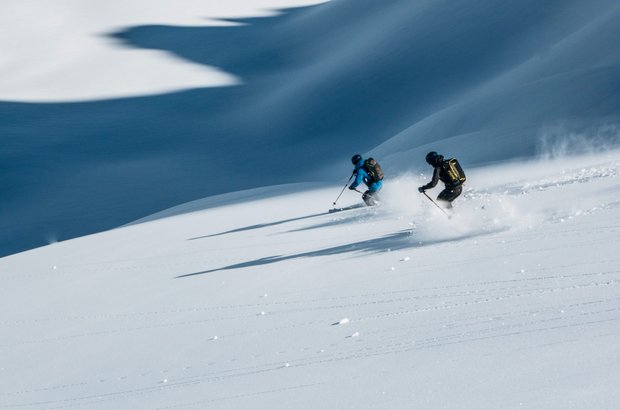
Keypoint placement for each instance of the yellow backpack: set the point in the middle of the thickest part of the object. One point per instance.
(454, 171)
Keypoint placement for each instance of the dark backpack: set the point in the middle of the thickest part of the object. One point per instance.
(454, 171)
(373, 169)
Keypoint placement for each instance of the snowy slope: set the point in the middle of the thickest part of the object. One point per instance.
(263, 300)
(482, 79)
(255, 297)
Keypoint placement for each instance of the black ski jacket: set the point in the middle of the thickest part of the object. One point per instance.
(440, 174)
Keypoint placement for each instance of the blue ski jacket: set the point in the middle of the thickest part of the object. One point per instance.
(362, 176)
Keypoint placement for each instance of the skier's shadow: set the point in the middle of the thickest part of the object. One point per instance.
(394, 242)
(258, 226)
(300, 218)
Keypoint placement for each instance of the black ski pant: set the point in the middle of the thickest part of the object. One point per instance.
(450, 194)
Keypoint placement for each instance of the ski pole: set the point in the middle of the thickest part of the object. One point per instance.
(440, 208)
(345, 187)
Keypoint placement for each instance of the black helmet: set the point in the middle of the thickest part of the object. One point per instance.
(432, 158)
(356, 158)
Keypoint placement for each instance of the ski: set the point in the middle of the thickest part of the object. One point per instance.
(356, 206)
(347, 208)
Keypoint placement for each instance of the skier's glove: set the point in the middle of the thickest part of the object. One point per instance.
(421, 189)
(352, 188)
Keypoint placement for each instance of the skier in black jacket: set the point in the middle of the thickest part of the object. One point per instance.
(453, 188)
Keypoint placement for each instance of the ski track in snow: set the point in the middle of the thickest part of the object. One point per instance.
(535, 291)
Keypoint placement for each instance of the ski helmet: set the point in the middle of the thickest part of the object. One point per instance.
(431, 157)
(356, 158)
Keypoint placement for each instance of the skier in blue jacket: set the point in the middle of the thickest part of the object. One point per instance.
(370, 196)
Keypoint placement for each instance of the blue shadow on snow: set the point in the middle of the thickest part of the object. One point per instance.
(394, 242)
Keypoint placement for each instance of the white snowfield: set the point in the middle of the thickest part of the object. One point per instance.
(263, 300)
(61, 50)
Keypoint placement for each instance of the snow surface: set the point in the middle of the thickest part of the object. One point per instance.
(60, 50)
(258, 297)
(264, 300)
